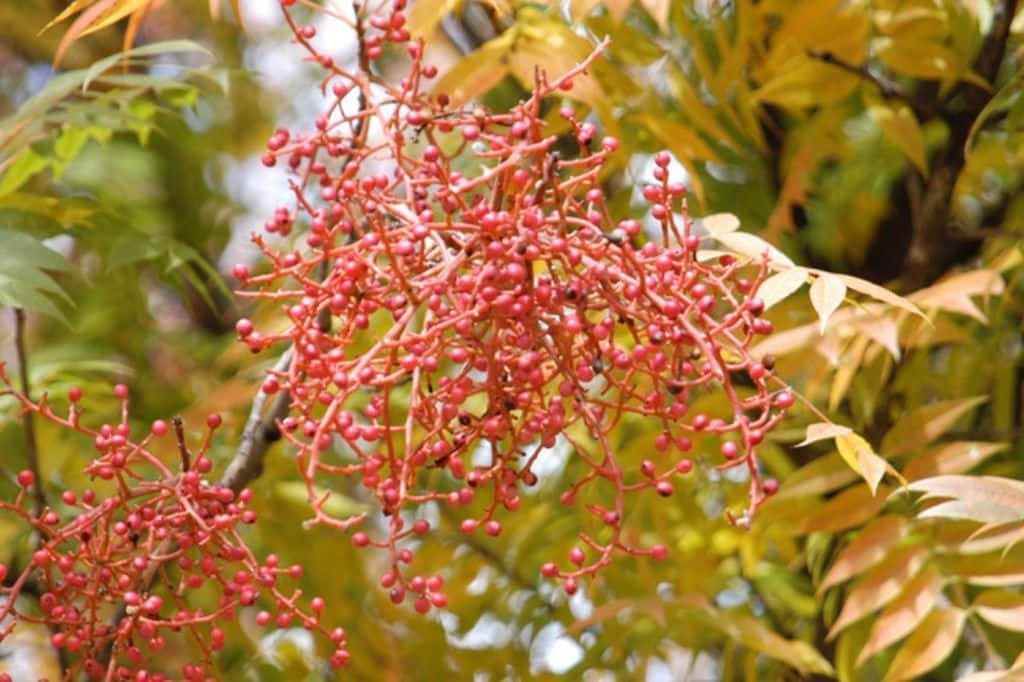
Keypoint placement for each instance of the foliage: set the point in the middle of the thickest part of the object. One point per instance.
(873, 143)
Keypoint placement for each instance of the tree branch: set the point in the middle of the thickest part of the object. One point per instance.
(260, 433)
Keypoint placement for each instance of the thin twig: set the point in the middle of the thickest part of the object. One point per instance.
(179, 434)
(888, 88)
(31, 444)
(32, 447)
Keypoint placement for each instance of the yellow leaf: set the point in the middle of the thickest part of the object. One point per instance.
(858, 454)
(581, 8)
(925, 59)
(827, 293)
(821, 431)
(658, 9)
(874, 291)
(902, 130)
(477, 72)
(720, 223)
(929, 645)
(1001, 608)
(425, 16)
(780, 285)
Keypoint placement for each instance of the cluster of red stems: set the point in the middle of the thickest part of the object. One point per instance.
(461, 299)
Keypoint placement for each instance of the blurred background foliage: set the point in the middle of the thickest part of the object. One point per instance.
(879, 138)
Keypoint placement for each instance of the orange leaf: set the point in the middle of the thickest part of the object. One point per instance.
(879, 586)
(866, 550)
(903, 613)
(929, 645)
(849, 508)
(951, 458)
(925, 424)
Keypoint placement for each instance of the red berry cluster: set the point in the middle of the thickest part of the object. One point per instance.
(463, 298)
(116, 570)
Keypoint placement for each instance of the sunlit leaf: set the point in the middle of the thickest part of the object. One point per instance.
(879, 586)
(424, 17)
(986, 499)
(821, 431)
(903, 613)
(754, 634)
(780, 285)
(859, 454)
(1001, 608)
(929, 645)
(477, 72)
(21, 171)
(848, 509)
(827, 294)
(867, 549)
(901, 129)
(925, 424)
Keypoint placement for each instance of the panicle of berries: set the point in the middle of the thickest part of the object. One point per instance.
(117, 570)
(462, 293)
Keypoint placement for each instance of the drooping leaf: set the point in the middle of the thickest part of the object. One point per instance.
(848, 509)
(986, 499)
(753, 634)
(859, 454)
(901, 129)
(21, 171)
(475, 73)
(954, 293)
(823, 430)
(867, 549)
(780, 285)
(424, 17)
(928, 646)
(1001, 608)
(951, 458)
(903, 613)
(827, 294)
(880, 586)
(925, 424)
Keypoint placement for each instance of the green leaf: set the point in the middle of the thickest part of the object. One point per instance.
(22, 170)
(753, 634)
(149, 50)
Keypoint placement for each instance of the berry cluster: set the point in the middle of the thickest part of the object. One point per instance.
(463, 298)
(116, 570)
